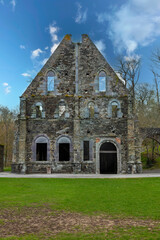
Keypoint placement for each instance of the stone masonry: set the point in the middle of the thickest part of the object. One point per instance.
(75, 117)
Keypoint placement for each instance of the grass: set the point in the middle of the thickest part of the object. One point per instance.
(117, 198)
(124, 197)
(133, 233)
(7, 169)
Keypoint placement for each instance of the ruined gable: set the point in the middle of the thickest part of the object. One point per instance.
(61, 63)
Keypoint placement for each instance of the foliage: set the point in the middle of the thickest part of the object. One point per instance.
(7, 124)
(7, 169)
(151, 153)
(147, 108)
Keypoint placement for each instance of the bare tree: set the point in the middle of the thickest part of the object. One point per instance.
(155, 68)
(7, 119)
(156, 81)
(145, 95)
(129, 70)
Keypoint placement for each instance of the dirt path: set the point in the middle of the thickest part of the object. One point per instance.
(65, 175)
(45, 221)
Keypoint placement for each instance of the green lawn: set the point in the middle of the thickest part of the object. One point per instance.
(127, 197)
(116, 198)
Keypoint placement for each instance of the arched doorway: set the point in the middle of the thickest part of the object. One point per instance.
(108, 158)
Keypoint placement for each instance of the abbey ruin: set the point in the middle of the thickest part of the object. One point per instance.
(75, 117)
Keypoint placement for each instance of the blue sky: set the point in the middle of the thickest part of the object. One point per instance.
(30, 30)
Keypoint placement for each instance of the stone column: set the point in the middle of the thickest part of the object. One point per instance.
(22, 134)
(76, 138)
(131, 146)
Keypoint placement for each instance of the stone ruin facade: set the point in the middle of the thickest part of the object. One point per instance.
(75, 117)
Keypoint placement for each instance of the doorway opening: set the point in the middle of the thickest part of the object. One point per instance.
(64, 151)
(108, 158)
(41, 152)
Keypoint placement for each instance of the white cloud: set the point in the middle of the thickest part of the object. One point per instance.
(5, 84)
(130, 58)
(53, 29)
(101, 46)
(102, 17)
(7, 88)
(53, 48)
(36, 53)
(53, 32)
(26, 75)
(22, 47)
(135, 23)
(44, 61)
(81, 16)
(46, 48)
(13, 3)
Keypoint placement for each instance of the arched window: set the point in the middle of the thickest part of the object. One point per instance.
(91, 109)
(64, 148)
(102, 81)
(114, 109)
(62, 108)
(50, 81)
(38, 110)
(41, 148)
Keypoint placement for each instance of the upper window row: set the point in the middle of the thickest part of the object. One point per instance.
(51, 81)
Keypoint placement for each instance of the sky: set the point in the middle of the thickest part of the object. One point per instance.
(30, 31)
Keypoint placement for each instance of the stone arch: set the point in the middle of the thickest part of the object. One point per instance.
(53, 73)
(148, 133)
(50, 81)
(114, 102)
(118, 148)
(38, 110)
(64, 149)
(108, 158)
(62, 109)
(41, 146)
(102, 81)
(91, 109)
(96, 80)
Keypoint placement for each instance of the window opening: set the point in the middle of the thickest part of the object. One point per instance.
(91, 109)
(64, 151)
(86, 151)
(114, 109)
(50, 81)
(102, 82)
(39, 111)
(62, 109)
(41, 151)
